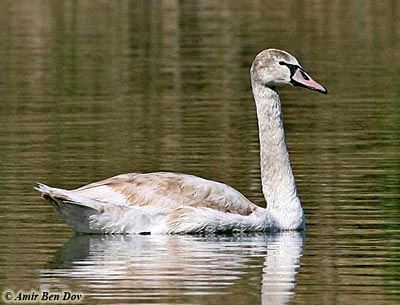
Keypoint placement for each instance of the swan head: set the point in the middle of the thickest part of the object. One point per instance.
(274, 67)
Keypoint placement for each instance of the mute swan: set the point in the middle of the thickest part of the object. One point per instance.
(178, 203)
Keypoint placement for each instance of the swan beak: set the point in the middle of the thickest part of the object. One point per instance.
(302, 79)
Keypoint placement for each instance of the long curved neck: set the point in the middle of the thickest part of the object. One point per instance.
(278, 183)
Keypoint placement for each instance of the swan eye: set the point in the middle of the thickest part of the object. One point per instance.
(292, 68)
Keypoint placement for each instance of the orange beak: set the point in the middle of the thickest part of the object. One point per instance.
(301, 78)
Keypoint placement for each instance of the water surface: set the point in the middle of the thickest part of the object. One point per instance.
(93, 89)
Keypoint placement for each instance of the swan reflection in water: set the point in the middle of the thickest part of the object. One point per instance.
(260, 268)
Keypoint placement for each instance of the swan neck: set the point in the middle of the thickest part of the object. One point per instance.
(278, 182)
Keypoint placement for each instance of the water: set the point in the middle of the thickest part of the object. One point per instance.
(93, 89)
(178, 269)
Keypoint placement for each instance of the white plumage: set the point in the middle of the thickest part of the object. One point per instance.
(156, 202)
(180, 203)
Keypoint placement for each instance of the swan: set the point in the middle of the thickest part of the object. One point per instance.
(173, 203)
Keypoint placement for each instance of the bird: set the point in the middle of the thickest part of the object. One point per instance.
(175, 203)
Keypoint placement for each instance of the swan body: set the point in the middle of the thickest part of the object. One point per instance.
(178, 203)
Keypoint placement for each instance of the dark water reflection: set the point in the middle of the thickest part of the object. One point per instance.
(96, 88)
(178, 269)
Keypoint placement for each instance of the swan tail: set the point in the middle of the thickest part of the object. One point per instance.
(78, 211)
(57, 197)
(86, 215)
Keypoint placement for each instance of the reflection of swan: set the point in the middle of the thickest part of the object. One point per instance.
(182, 269)
(178, 203)
(281, 265)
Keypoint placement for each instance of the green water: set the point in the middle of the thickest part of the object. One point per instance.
(92, 89)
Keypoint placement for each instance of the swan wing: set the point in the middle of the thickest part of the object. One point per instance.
(168, 191)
